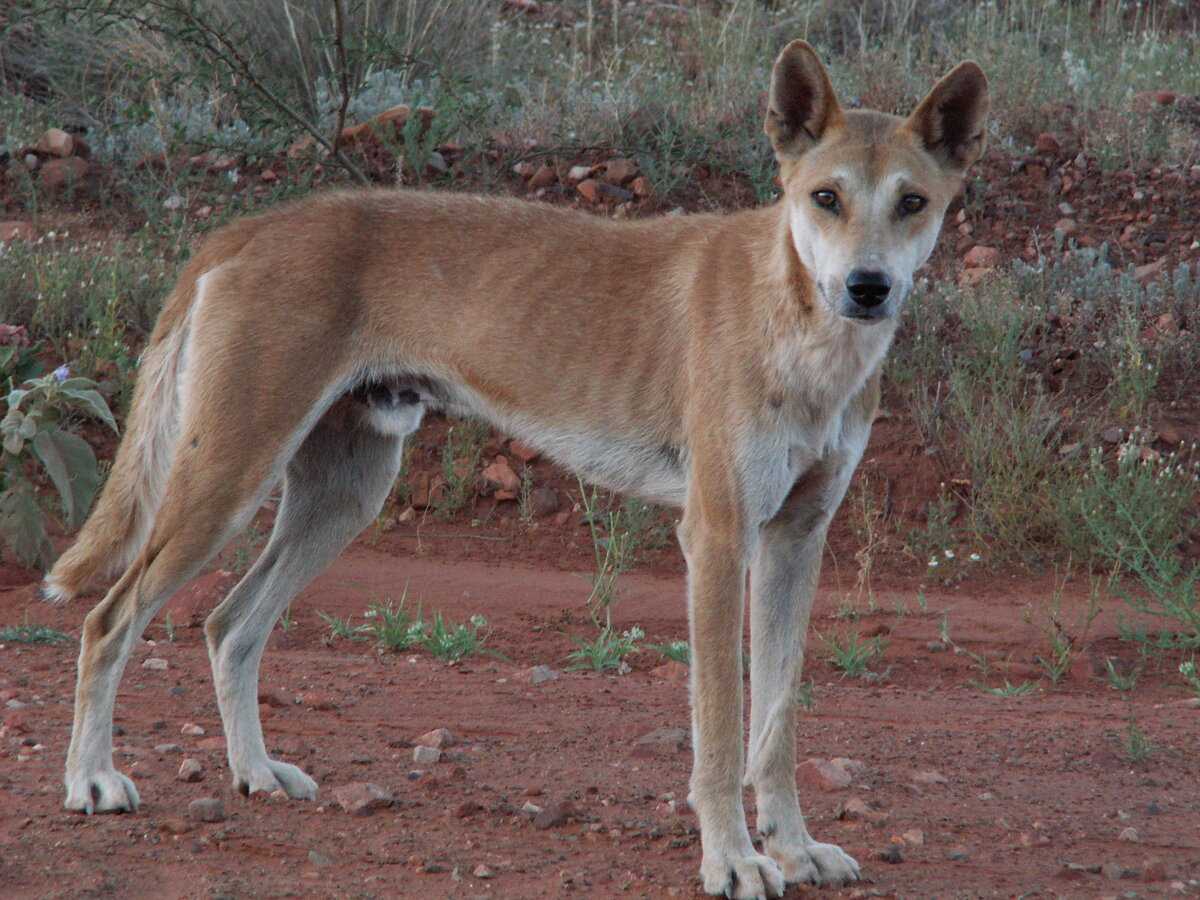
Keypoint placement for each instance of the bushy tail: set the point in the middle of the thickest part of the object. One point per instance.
(121, 520)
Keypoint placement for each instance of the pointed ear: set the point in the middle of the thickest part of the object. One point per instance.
(950, 122)
(801, 106)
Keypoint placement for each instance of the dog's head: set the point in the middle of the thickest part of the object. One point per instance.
(866, 192)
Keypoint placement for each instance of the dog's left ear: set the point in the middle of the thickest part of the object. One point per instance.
(802, 105)
(951, 121)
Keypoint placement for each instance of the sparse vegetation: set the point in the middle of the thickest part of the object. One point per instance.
(32, 634)
(852, 654)
(606, 651)
(676, 651)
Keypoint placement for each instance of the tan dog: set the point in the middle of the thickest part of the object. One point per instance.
(728, 364)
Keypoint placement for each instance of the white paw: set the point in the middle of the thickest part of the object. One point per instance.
(268, 775)
(741, 876)
(106, 790)
(812, 863)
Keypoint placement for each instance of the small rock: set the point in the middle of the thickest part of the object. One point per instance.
(482, 871)
(1113, 434)
(155, 664)
(1066, 227)
(316, 858)
(854, 808)
(543, 501)
(957, 853)
(523, 451)
(56, 142)
(929, 777)
(274, 698)
(543, 178)
(524, 169)
(823, 775)
(666, 738)
(167, 748)
(619, 171)
(542, 674)
(190, 770)
(672, 672)
(426, 756)
(578, 174)
(589, 190)
(554, 814)
(981, 257)
(466, 809)
(914, 837)
(1066, 209)
(14, 703)
(1129, 834)
(361, 798)
(1047, 143)
(641, 186)
(1114, 871)
(530, 808)
(192, 730)
(206, 809)
(439, 738)
(612, 192)
(891, 854)
(1150, 271)
(60, 173)
(500, 475)
(318, 701)
(175, 201)
(175, 826)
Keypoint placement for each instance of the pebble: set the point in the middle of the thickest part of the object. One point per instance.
(1128, 834)
(190, 770)
(554, 814)
(914, 837)
(319, 859)
(823, 774)
(361, 798)
(426, 756)
(438, 738)
(482, 871)
(155, 663)
(192, 730)
(981, 257)
(892, 854)
(206, 809)
(466, 809)
(14, 703)
(542, 674)
(929, 777)
(957, 853)
(167, 748)
(530, 808)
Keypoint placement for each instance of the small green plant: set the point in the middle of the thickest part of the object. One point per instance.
(393, 628)
(1118, 682)
(32, 634)
(341, 628)
(32, 430)
(451, 642)
(1136, 743)
(1064, 645)
(1008, 689)
(853, 655)
(607, 651)
(1187, 669)
(460, 461)
(169, 627)
(287, 621)
(676, 651)
(806, 695)
(612, 547)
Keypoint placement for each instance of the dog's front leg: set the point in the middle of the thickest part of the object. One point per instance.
(782, 583)
(716, 547)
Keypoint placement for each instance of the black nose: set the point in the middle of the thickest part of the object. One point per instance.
(868, 288)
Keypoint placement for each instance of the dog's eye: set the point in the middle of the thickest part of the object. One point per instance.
(912, 203)
(826, 200)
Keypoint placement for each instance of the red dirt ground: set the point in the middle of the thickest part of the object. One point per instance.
(1033, 783)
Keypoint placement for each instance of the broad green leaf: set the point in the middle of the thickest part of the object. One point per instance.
(71, 465)
(28, 427)
(21, 523)
(77, 384)
(94, 403)
(13, 443)
(15, 396)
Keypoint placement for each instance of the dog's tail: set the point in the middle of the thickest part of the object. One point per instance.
(120, 523)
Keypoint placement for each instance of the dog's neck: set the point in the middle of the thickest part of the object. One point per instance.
(818, 359)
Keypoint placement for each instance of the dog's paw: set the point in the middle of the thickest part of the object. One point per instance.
(106, 790)
(812, 863)
(269, 775)
(741, 876)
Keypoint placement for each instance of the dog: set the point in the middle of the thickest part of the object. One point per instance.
(725, 364)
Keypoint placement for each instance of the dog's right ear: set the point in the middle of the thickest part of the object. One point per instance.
(802, 105)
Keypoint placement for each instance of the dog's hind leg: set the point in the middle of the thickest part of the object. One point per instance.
(783, 580)
(210, 495)
(335, 486)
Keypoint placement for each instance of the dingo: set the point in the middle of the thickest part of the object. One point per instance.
(727, 364)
